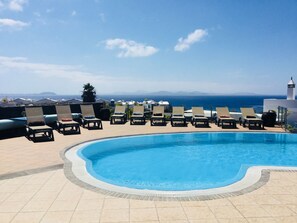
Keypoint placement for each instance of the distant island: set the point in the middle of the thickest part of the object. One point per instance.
(47, 93)
(180, 93)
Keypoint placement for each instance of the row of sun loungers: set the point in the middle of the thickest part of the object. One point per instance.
(65, 123)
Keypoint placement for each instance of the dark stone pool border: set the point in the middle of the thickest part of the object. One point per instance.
(265, 175)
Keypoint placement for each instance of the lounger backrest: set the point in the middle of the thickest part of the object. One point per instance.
(158, 110)
(247, 112)
(138, 109)
(223, 111)
(178, 111)
(198, 111)
(63, 112)
(34, 115)
(87, 110)
(120, 109)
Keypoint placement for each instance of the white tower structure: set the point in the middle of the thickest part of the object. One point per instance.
(291, 90)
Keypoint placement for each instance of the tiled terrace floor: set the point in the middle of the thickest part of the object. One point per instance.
(51, 197)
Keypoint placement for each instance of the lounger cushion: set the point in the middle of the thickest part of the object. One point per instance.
(119, 113)
(224, 116)
(199, 116)
(251, 116)
(66, 120)
(137, 113)
(89, 117)
(158, 114)
(36, 123)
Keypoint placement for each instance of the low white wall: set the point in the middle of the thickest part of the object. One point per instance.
(273, 104)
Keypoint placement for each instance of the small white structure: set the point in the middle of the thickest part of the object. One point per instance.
(164, 103)
(291, 90)
(290, 102)
(148, 105)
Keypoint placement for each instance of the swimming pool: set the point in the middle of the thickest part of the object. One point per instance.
(185, 161)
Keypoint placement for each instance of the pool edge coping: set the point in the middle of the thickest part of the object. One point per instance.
(263, 171)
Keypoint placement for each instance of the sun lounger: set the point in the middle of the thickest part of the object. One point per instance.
(198, 117)
(119, 115)
(158, 116)
(137, 115)
(178, 117)
(65, 121)
(249, 117)
(224, 119)
(36, 124)
(88, 117)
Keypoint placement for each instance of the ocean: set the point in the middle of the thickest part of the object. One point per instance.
(207, 101)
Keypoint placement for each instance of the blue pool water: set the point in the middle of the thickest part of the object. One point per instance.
(189, 161)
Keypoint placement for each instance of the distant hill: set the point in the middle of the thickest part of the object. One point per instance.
(48, 93)
(178, 93)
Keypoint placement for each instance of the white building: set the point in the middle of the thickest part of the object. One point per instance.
(290, 102)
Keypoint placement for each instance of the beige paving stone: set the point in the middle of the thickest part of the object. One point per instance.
(225, 212)
(252, 211)
(29, 188)
(278, 190)
(195, 213)
(145, 221)
(20, 196)
(37, 205)
(141, 204)
(91, 204)
(167, 204)
(57, 217)
(265, 199)
(5, 188)
(86, 195)
(232, 220)
(175, 221)
(115, 203)
(193, 203)
(292, 207)
(286, 199)
(53, 187)
(170, 214)
(212, 220)
(218, 202)
(288, 219)
(242, 200)
(262, 220)
(70, 195)
(278, 210)
(114, 215)
(85, 217)
(143, 214)
(4, 196)
(6, 217)
(69, 205)
(12, 206)
(45, 195)
(32, 217)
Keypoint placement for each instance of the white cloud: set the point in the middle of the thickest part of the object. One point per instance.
(71, 73)
(130, 48)
(16, 5)
(12, 23)
(196, 36)
(73, 13)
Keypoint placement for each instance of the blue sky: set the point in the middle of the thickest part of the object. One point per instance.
(147, 45)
